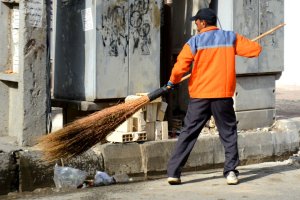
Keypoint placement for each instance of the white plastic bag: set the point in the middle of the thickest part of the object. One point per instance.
(102, 178)
(68, 177)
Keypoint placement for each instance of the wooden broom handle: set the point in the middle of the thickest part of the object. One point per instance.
(257, 38)
(268, 32)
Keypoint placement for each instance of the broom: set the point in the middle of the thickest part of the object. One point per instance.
(82, 134)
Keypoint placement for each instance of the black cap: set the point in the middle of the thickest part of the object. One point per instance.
(205, 14)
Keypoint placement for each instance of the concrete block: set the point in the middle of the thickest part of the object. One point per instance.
(155, 155)
(123, 137)
(296, 121)
(122, 158)
(5, 31)
(285, 142)
(8, 173)
(246, 65)
(207, 151)
(255, 119)
(151, 112)
(4, 109)
(14, 126)
(255, 145)
(245, 22)
(271, 13)
(161, 130)
(161, 110)
(158, 131)
(126, 126)
(32, 85)
(202, 153)
(254, 92)
(218, 151)
(150, 130)
(35, 173)
(138, 121)
(288, 125)
(25, 93)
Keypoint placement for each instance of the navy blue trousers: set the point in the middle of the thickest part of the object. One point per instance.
(198, 113)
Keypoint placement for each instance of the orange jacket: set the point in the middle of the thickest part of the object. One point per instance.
(213, 53)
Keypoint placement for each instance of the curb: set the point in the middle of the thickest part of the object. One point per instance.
(149, 159)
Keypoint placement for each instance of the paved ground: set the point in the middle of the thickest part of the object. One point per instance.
(271, 180)
(287, 102)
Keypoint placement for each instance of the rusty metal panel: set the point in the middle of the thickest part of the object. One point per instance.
(271, 15)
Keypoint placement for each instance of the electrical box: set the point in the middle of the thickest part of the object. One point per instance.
(106, 48)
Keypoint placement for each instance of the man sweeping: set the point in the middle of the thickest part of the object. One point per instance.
(211, 87)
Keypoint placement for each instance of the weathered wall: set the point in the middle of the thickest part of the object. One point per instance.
(23, 70)
(4, 62)
(33, 81)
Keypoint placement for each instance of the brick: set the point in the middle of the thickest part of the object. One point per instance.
(161, 110)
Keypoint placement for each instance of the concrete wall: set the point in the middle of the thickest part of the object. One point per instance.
(33, 54)
(23, 78)
(8, 177)
(4, 65)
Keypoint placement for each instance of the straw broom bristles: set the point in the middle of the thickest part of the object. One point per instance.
(82, 134)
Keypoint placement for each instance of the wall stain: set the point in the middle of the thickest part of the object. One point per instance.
(123, 22)
(114, 30)
(140, 26)
(156, 15)
(29, 46)
(40, 49)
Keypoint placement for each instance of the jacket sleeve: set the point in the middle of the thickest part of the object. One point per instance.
(247, 48)
(184, 61)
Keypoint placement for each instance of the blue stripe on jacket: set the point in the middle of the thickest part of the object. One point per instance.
(212, 39)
